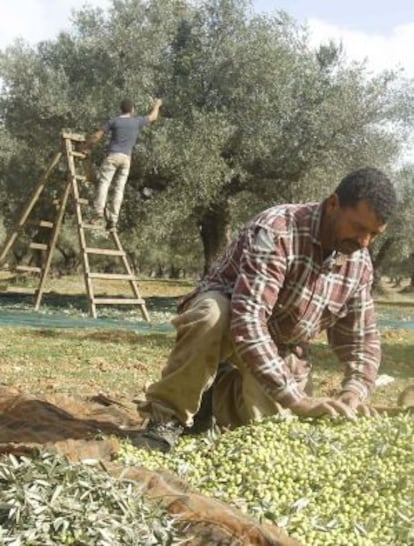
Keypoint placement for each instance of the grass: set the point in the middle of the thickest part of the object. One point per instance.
(85, 361)
(121, 363)
(73, 284)
(397, 351)
(81, 362)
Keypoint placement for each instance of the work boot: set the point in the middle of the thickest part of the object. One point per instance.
(204, 419)
(96, 220)
(159, 436)
(111, 226)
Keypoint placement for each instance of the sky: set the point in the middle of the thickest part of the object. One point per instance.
(380, 31)
(377, 30)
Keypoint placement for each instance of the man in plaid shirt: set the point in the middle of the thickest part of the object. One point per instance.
(292, 272)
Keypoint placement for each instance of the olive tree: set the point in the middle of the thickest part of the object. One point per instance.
(393, 254)
(252, 115)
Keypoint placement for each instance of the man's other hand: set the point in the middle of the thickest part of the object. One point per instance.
(352, 400)
(318, 407)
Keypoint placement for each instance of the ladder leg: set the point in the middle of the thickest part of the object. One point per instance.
(79, 223)
(52, 245)
(133, 283)
(27, 210)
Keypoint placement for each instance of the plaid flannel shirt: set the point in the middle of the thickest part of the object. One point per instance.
(284, 292)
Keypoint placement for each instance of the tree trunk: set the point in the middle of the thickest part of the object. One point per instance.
(214, 232)
(412, 271)
(70, 257)
(175, 272)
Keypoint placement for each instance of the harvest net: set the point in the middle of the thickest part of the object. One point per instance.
(86, 430)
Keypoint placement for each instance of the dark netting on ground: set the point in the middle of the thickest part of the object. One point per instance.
(396, 316)
(89, 430)
(70, 311)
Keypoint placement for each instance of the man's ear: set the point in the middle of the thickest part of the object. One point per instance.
(332, 203)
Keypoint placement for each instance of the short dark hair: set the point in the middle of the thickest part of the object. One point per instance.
(126, 106)
(370, 185)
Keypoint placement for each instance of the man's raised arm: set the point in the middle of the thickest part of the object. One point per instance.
(153, 115)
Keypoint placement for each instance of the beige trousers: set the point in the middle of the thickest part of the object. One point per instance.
(114, 167)
(202, 342)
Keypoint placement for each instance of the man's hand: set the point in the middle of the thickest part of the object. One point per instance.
(153, 115)
(352, 400)
(91, 141)
(317, 407)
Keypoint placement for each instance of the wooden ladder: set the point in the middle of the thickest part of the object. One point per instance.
(78, 170)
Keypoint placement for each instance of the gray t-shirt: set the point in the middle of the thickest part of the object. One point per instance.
(124, 132)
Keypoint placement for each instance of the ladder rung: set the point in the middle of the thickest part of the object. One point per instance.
(38, 246)
(78, 154)
(46, 223)
(73, 136)
(83, 201)
(118, 301)
(80, 177)
(113, 276)
(40, 223)
(28, 269)
(104, 251)
(92, 226)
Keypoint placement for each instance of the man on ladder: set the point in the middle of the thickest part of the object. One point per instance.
(124, 131)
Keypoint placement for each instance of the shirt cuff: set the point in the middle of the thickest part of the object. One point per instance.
(357, 387)
(290, 394)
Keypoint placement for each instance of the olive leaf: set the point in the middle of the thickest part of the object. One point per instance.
(49, 501)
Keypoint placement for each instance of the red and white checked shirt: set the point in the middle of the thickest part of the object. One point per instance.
(283, 292)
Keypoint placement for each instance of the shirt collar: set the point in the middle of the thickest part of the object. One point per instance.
(336, 259)
(315, 226)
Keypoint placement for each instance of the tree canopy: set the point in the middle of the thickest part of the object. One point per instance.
(252, 116)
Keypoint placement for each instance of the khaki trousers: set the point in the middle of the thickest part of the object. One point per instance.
(114, 166)
(202, 342)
